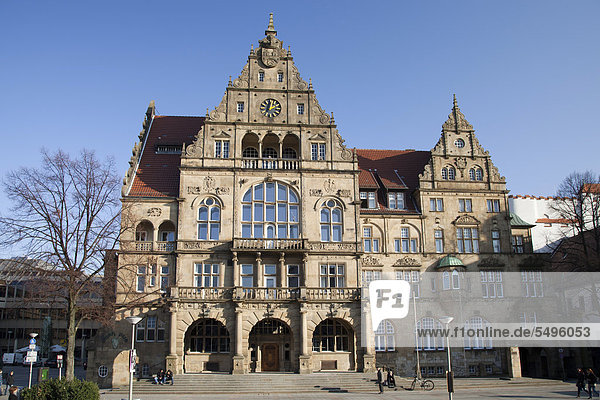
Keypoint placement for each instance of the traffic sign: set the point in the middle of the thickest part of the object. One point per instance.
(32, 346)
(32, 341)
(31, 357)
(59, 357)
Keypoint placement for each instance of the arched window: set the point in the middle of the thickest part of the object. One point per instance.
(476, 174)
(209, 219)
(473, 340)
(429, 341)
(451, 173)
(207, 336)
(332, 335)
(250, 152)
(331, 221)
(450, 280)
(384, 337)
(289, 153)
(270, 210)
(370, 240)
(269, 152)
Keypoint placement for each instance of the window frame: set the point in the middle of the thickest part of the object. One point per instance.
(328, 277)
(200, 275)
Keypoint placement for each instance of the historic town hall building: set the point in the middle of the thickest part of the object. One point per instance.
(254, 228)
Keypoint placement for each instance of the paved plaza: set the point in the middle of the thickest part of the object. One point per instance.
(557, 391)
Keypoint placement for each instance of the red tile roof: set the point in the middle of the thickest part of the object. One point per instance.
(158, 174)
(563, 221)
(397, 169)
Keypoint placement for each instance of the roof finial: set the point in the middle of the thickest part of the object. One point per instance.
(454, 102)
(271, 27)
(207, 112)
(310, 86)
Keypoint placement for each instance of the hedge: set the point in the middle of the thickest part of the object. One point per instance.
(54, 389)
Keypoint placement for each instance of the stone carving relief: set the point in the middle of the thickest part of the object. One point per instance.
(491, 262)
(318, 111)
(461, 163)
(370, 260)
(219, 113)
(344, 193)
(466, 220)
(407, 262)
(332, 246)
(298, 82)
(195, 149)
(200, 189)
(329, 185)
(243, 79)
(315, 192)
(270, 51)
(154, 212)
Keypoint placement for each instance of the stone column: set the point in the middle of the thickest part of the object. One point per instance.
(259, 271)
(368, 339)
(238, 358)
(171, 359)
(236, 270)
(304, 359)
(514, 362)
(282, 271)
(303, 274)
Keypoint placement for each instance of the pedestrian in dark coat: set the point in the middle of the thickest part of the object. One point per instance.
(380, 380)
(160, 377)
(580, 381)
(169, 377)
(391, 381)
(591, 381)
(10, 379)
(13, 393)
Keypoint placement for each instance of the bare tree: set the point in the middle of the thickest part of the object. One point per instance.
(577, 205)
(66, 214)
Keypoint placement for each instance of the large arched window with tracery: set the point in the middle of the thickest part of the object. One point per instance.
(207, 336)
(270, 210)
(209, 219)
(331, 221)
(332, 334)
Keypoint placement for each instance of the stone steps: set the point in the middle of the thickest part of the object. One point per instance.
(260, 383)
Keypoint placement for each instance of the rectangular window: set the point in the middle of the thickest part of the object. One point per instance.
(517, 243)
(465, 205)
(372, 203)
(140, 332)
(152, 273)
(332, 275)
(496, 241)
(493, 206)
(369, 243)
(314, 151)
(405, 244)
(222, 148)
(491, 284)
(467, 240)
(370, 276)
(531, 283)
(300, 108)
(141, 278)
(396, 200)
(414, 278)
(436, 204)
(240, 106)
(247, 275)
(439, 240)
(322, 151)
(280, 77)
(150, 329)
(293, 276)
(164, 278)
(206, 275)
(261, 76)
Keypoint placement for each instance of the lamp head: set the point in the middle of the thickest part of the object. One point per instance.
(134, 320)
(33, 335)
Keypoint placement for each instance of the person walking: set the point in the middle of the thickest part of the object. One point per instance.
(580, 381)
(380, 380)
(591, 381)
(10, 381)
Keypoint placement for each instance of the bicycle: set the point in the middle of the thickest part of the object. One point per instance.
(425, 384)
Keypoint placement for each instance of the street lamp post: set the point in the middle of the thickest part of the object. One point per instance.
(32, 343)
(133, 321)
(449, 379)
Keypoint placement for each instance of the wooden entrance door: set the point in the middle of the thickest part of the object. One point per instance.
(270, 357)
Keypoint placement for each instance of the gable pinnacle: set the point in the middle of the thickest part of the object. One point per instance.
(456, 120)
(271, 27)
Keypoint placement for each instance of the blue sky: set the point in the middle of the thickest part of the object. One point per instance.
(526, 73)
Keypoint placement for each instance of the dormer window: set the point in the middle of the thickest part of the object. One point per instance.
(168, 149)
(261, 76)
(367, 200)
(396, 200)
(459, 143)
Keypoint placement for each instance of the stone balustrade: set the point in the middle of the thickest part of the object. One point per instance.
(276, 294)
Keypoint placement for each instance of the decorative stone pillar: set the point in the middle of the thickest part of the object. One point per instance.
(304, 359)
(303, 275)
(282, 271)
(514, 362)
(259, 271)
(171, 359)
(238, 358)
(236, 270)
(368, 364)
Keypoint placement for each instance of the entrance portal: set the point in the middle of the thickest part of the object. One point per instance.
(270, 344)
(270, 357)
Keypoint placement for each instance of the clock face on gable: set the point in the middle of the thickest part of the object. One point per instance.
(270, 108)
